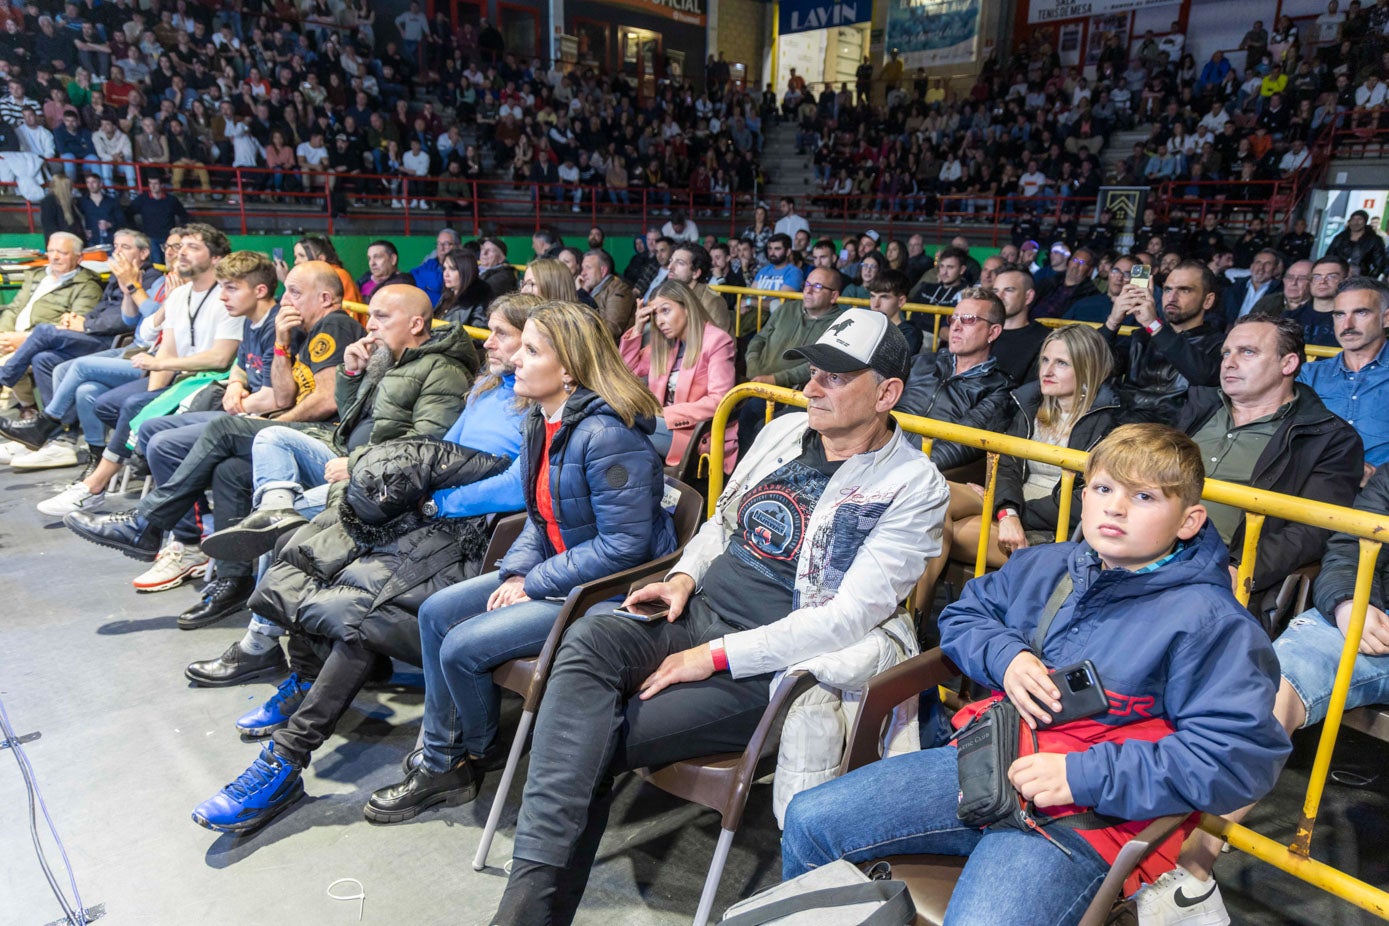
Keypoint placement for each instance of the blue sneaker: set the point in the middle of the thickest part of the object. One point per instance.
(266, 789)
(274, 713)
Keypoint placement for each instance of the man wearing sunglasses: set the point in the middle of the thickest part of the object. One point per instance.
(1056, 294)
(962, 383)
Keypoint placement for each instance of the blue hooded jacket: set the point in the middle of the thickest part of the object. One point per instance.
(1171, 646)
(606, 484)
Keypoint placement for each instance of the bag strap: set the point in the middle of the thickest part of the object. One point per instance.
(1058, 598)
(895, 908)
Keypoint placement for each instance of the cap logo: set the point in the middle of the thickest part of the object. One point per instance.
(846, 323)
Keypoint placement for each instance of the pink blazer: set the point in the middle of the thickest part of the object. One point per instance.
(697, 392)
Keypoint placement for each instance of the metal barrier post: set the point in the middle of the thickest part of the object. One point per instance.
(1321, 767)
(1063, 508)
(1244, 578)
(981, 556)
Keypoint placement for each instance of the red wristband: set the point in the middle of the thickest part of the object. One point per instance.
(1005, 513)
(720, 656)
(281, 352)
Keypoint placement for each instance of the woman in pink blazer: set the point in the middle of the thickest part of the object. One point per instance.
(688, 365)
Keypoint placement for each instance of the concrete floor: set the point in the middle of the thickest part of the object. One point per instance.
(127, 748)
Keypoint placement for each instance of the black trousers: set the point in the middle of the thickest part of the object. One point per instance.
(220, 461)
(336, 681)
(591, 726)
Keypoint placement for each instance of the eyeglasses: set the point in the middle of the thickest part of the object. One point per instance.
(1295, 278)
(969, 321)
(818, 287)
(1079, 261)
(1324, 277)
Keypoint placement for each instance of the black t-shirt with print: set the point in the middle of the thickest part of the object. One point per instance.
(323, 348)
(753, 581)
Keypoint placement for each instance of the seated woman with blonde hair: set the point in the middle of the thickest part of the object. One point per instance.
(688, 364)
(550, 280)
(1069, 405)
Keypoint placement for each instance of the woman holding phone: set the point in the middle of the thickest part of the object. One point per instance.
(593, 486)
(688, 365)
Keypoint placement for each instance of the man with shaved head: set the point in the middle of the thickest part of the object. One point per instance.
(312, 333)
(403, 379)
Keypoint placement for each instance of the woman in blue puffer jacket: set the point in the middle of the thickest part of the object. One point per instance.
(593, 485)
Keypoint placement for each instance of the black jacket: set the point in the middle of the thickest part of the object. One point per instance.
(1336, 582)
(975, 399)
(1042, 514)
(501, 279)
(1313, 455)
(1156, 371)
(359, 572)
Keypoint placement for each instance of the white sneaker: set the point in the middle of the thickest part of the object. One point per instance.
(174, 565)
(11, 449)
(1179, 897)
(50, 456)
(397, 204)
(76, 497)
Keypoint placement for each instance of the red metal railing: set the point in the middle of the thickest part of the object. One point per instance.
(239, 194)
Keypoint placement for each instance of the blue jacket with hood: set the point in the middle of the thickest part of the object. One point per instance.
(606, 484)
(1190, 675)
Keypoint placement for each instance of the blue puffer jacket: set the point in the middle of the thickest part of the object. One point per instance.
(1173, 648)
(606, 482)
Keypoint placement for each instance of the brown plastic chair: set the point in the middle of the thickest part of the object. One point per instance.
(931, 878)
(687, 470)
(722, 782)
(527, 676)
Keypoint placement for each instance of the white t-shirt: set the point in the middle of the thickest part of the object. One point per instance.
(417, 164)
(790, 224)
(1030, 183)
(198, 319)
(1329, 26)
(314, 156)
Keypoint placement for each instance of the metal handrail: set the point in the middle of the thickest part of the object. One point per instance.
(1372, 529)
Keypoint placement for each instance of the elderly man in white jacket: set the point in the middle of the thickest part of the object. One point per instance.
(826, 525)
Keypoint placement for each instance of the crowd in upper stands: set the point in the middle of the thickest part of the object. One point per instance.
(369, 454)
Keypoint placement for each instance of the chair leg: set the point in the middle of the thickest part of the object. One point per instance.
(711, 881)
(148, 484)
(126, 472)
(494, 816)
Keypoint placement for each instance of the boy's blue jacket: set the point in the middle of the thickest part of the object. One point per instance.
(1174, 649)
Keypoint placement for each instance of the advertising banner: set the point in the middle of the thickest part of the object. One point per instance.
(806, 15)
(932, 33)
(1046, 11)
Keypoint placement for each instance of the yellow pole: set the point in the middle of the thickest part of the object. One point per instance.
(1321, 766)
(981, 557)
(1063, 509)
(1244, 580)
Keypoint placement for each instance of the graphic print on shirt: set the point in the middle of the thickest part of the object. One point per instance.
(773, 518)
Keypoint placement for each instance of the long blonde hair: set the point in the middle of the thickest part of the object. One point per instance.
(697, 316)
(587, 352)
(1092, 362)
(61, 188)
(553, 281)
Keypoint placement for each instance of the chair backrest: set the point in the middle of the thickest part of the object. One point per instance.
(689, 511)
(504, 534)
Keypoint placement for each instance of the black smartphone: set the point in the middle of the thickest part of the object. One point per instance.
(1082, 694)
(644, 611)
(279, 255)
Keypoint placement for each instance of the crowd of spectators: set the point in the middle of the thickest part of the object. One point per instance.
(370, 457)
(324, 102)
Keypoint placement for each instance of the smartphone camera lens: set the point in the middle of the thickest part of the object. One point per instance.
(1079, 680)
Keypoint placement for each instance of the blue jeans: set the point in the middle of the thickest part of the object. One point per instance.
(99, 408)
(47, 346)
(102, 371)
(165, 442)
(1309, 652)
(461, 643)
(905, 805)
(286, 458)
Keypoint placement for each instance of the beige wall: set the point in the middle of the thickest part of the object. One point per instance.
(742, 30)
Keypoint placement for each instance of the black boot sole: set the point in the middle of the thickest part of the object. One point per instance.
(241, 545)
(136, 553)
(214, 617)
(254, 675)
(448, 798)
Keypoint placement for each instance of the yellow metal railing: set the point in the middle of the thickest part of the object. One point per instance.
(913, 308)
(1372, 529)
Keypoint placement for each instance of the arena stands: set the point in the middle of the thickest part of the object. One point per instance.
(605, 262)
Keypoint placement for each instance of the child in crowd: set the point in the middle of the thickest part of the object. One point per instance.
(1189, 674)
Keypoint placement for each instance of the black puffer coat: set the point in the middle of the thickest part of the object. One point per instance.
(359, 572)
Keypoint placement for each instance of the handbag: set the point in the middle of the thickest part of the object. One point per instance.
(837, 894)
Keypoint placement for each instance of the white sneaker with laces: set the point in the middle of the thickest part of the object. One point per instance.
(1179, 897)
(51, 455)
(174, 565)
(11, 449)
(76, 497)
